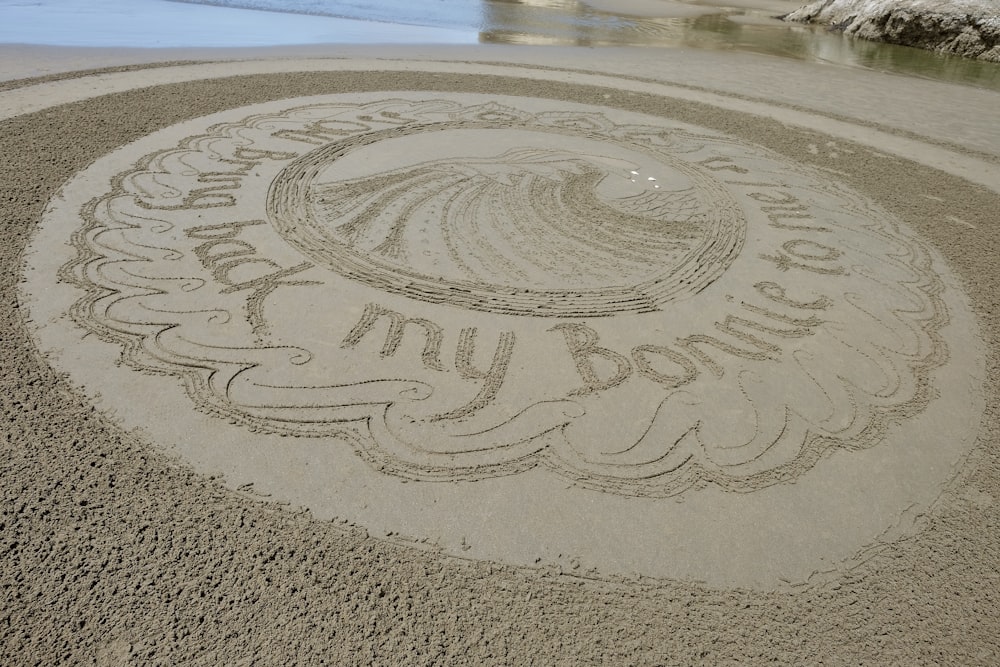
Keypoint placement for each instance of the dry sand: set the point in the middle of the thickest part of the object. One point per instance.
(270, 399)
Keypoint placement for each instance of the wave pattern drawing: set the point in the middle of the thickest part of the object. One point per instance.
(530, 231)
(525, 218)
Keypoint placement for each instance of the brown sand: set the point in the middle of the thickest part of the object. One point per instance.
(119, 552)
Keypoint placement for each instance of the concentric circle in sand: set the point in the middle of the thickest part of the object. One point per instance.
(520, 328)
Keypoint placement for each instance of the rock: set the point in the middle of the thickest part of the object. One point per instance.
(969, 28)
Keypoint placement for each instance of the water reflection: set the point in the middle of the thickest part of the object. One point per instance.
(741, 25)
(573, 23)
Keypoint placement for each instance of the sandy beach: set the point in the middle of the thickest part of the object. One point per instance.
(496, 355)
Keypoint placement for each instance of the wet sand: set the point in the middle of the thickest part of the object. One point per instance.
(186, 527)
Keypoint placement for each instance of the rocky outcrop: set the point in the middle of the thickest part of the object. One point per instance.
(969, 28)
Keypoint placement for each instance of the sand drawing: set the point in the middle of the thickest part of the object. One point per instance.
(466, 291)
(401, 353)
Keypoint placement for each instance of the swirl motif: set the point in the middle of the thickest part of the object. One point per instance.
(527, 232)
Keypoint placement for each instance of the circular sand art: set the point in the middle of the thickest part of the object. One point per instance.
(520, 330)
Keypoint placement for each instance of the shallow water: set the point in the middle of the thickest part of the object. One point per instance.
(570, 22)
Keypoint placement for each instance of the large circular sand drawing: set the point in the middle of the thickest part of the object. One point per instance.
(549, 303)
